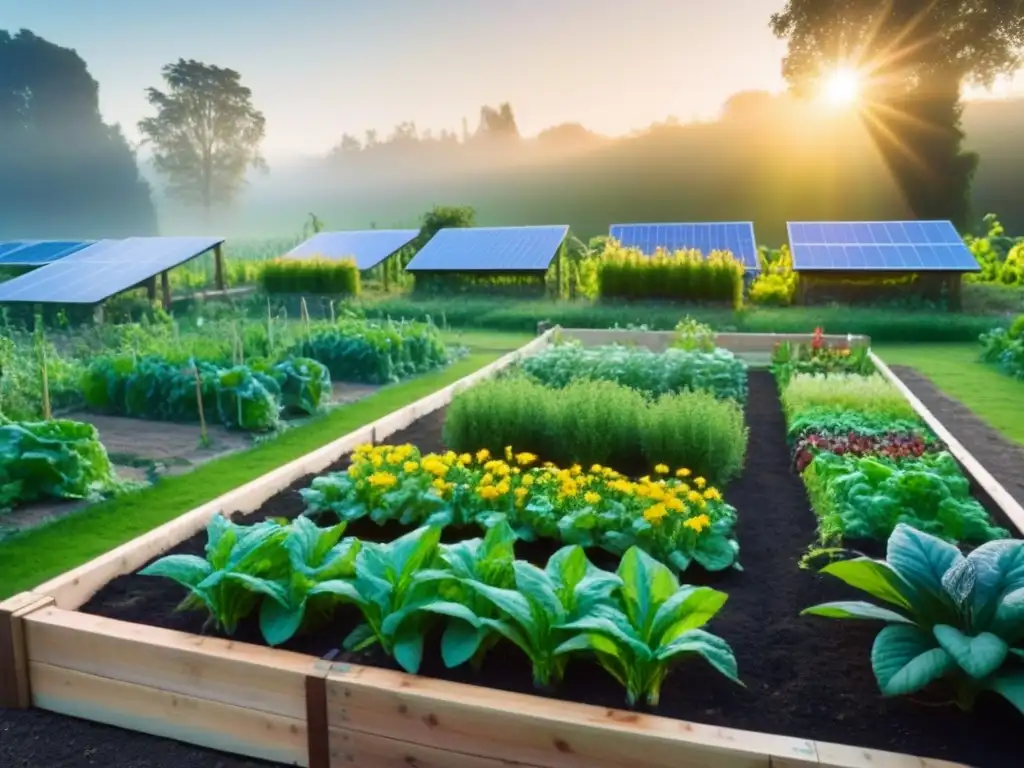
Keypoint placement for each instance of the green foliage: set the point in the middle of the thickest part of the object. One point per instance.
(599, 422)
(302, 384)
(818, 357)
(834, 421)
(867, 497)
(677, 518)
(318, 276)
(243, 564)
(57, 459)
(652, 623)
(694, 336)
(375, 353)
(845, 392)
(626, 273)
(951, 620)
(882, 325)
(1000, 257)
(152, 388)
(718, 371)
(1005, 349)
(694, 430)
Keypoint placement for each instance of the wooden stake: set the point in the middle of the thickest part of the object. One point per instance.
(331, 305)
(203, 437)
(47, 413)
(304, 310)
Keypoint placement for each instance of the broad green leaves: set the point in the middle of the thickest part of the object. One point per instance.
(958, 616)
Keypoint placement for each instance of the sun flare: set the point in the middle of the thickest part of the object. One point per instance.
(842, 87)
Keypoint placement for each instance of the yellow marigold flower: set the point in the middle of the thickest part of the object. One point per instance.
(520, 494)
(700, 482)
(646, 479)
(516, 470)
(596, 469)
(661, 469)
(487, 479)
(482, 455)
(591, 497)
(353, 470)
(654, 514)
(694, 497)
(362, 450)
(684, 472)
(439, 483)
(675, 504)
(525, 459)
(527, 481)
(502, 470)
(682, 488)
(382, 479)
(698, 523)
(465, 458)
(503, 487)
(575, 470)
(449, 457)
(488, 492)
(410, 467)
(712, 494)
(376, 460)
(435, 466)
(656, 494)
(508, 453)
(568, 489)
(643, 491)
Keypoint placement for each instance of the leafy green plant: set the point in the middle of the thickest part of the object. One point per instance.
(867, 497)
(826, 420)
(396, 600)
(59, 459)
(243, 565)
(542, 602)
(317, 559)
(694, 336)
(303, 384)
(653, 623)
(951, 620)
(845, 392)
(676, 370)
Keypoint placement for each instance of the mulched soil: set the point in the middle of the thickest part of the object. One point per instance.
(805, 677)
(1003, 458)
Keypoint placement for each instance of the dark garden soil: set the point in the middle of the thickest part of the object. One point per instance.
(804, 677)
(1003, 458)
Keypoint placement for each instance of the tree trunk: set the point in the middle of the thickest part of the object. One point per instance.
(919, 136)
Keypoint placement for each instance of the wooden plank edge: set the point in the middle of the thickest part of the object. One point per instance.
(842, 756)
(15, 681)
(224, 727)
(355, 749)
(318, 746)
(536, 731)
(1011, 508)
(74, 587)
(211, 668)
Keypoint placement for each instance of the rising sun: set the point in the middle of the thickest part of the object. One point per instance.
(841, 87)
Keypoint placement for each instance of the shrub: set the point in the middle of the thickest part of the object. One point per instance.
(59, 459)
(328, 277)
(1004, 350)
(845, 392)
(601, 422)
(626, 273)
(720, 372)
(693, 336)
(770, 291)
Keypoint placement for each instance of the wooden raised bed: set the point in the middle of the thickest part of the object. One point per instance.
(296, 709)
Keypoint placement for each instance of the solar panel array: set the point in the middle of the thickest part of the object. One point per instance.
(734, 236)
(34, 253)
(490, 249)
(901, 246)
(368, 247)
(103, 269)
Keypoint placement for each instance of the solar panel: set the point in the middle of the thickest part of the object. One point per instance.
(34, 253)
(368, 247)
(490, 249)
(103, 269)
(736, 237)
(900, 246)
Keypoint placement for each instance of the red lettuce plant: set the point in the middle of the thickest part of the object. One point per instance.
(892, 445)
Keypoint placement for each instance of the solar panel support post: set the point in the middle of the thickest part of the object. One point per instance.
(218, 267)
(165, 291)
(151, 289)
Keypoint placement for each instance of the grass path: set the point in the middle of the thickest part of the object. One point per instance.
(995, 398)
(40, 554)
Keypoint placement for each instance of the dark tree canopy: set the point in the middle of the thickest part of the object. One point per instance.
(63, 171)
(916, 55)
(206, 132)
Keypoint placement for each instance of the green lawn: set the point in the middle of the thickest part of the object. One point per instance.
(954, 368)
(481, 340)
(43, 553)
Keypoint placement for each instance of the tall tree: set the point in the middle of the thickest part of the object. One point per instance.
(915, 56)
(206, 133)
(63, 171)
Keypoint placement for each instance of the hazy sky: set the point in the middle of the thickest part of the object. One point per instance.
(318, 68)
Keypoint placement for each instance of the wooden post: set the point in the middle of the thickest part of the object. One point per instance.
(199, 404)
(218, 267)
(15, 692)
(165, 290)
(151, 289)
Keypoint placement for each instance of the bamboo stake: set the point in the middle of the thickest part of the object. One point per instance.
(331, 305)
